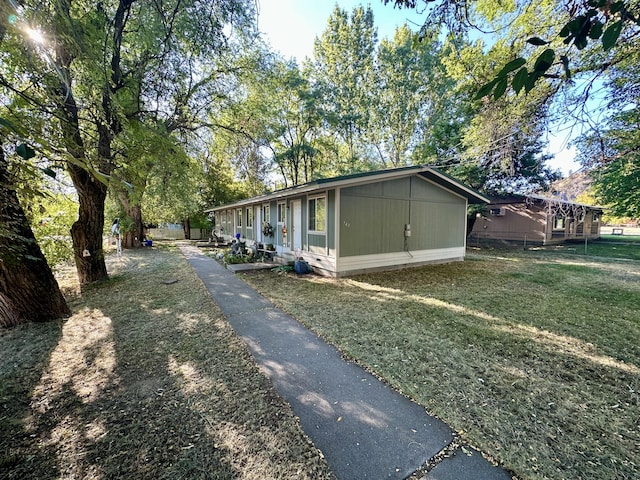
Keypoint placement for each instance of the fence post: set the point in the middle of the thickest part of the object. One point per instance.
(585, 244)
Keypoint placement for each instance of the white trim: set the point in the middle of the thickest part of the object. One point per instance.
(295, 227)
(322, 195)
(337, 214)
(398, 259)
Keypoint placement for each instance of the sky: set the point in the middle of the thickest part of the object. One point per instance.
(291, 26)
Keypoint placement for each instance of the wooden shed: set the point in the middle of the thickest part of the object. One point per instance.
(358, 223)
(535, 219)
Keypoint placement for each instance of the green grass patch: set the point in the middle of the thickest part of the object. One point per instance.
(612, 246)
(146, 380)
(532, 356)
(620, 238)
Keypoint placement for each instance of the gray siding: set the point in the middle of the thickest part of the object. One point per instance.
(373, 217)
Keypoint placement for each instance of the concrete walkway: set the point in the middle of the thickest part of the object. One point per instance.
(365, 429)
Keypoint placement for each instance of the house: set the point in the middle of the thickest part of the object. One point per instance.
(534, 219)
(357, 223)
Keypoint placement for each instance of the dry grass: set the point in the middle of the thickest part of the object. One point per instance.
(145, 380)
(533, 357)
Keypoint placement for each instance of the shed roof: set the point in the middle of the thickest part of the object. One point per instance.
(425, 171)
(519, 198)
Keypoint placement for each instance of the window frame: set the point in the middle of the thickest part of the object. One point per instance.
(249, 217)
(238, 219)
(282, 209)
(313, 229)
(559, 222)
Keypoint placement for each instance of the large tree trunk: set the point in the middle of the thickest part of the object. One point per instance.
(186, 226)
(86, 232)
(133, 238)
(28, 289)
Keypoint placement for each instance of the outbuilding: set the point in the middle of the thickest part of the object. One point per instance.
(380, 220)
(536, 220)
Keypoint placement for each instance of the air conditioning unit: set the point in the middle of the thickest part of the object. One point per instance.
(497, 212)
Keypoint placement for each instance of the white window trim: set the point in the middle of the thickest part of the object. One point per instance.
(284, 211)
(316, 197)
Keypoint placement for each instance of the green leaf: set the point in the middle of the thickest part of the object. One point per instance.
(565, 63)
(531, 80)
(611, 34)
(519, 79)
(501, 87)
(580, 42)
(616, 7)
(486, 88)
(596, 30)
(537, 41)
(511, 66)
(544, 60)
(25, 151)
(48, 171)
(7, 124)
(572, 27)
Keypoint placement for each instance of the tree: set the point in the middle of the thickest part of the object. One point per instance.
(570, 26)
(123, 61)
(28, 289)
(343, 73)
(611, 151)
(500, 149)
(407, 97)
(295, 124)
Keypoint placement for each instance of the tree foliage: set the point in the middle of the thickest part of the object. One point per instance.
(612, 150)
(102, 70)
(554, 46)
(343, 74)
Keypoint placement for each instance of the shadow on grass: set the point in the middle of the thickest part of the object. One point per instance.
(25, 353)
(146, 380)
(545, 380)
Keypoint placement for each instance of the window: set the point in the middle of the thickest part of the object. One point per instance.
(266, 214)
(317, 214)
(238, 218)
(558, 222)
(281, 213)
(596, 216)
(250, 217)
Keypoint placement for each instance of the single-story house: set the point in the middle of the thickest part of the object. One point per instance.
(535, 219)
(357, 223)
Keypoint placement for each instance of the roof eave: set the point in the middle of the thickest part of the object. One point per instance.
(367, 177)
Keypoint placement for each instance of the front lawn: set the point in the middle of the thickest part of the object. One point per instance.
(145, 381)
(532, 356)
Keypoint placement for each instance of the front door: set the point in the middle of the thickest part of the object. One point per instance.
(296, 225)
